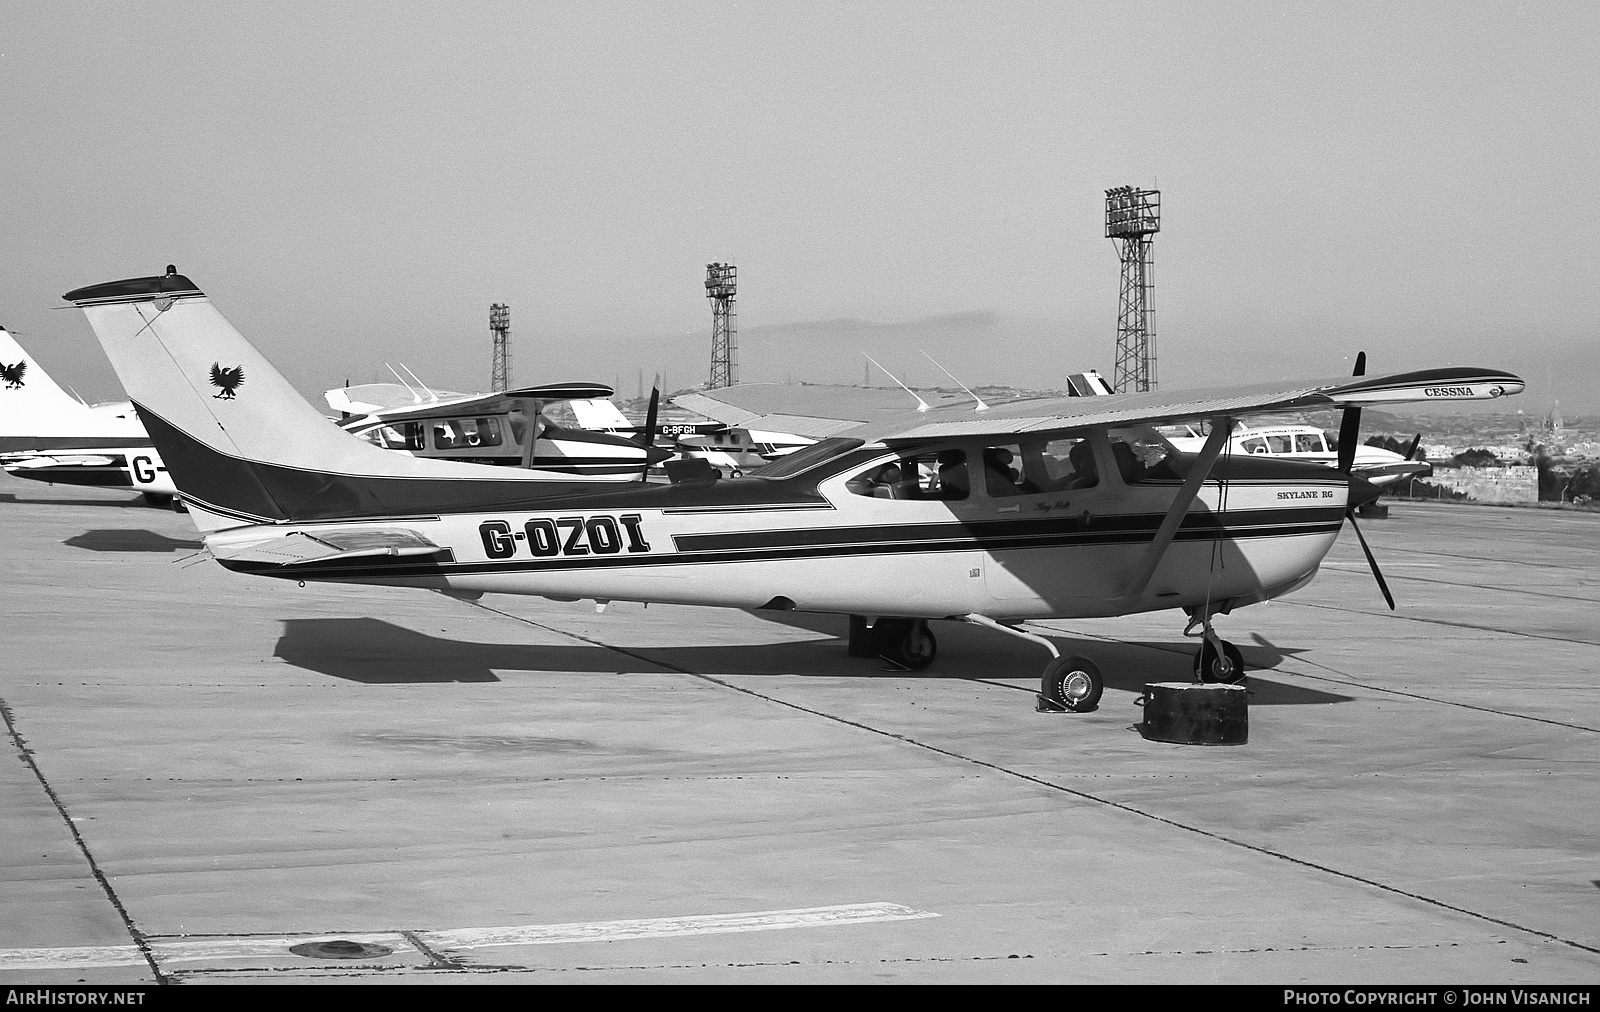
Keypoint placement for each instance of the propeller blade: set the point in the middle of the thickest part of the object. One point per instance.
(1411, 452)
(1376, 572)
(1350, 424)
(647, 438)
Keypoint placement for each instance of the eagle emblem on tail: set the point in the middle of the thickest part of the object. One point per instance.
(12, 374)
(226, 380)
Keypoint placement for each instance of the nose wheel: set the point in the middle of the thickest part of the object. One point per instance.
(1225, 665)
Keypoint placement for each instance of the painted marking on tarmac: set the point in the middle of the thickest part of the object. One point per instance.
(241, 947)
(669, 927)
(66, 958)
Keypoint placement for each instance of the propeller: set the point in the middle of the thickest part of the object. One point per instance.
(647, 438)
(1350, 425)
(1362, 491)
(1411, 451)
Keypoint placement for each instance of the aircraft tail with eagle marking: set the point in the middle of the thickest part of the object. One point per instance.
(243, 446)
(36, 414)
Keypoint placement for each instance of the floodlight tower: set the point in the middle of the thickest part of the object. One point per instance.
(500, 327)
(724, 332)
(1132, 217)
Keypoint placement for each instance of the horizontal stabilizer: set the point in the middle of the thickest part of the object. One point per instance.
(494, 403)
(299, 547)
(29, 463)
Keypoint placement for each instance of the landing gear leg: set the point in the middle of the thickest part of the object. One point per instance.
(906, 642)
(1069, 684)
(862, 641)
(1217, 660)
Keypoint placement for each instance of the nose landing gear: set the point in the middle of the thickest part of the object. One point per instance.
(1217, 660)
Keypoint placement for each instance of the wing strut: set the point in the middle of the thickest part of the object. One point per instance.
(1221, 429)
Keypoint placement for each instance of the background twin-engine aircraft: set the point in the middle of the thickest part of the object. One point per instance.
(1051, 507)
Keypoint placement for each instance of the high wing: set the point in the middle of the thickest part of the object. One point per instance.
(600, 413)
(295, 548)
(771, 405)
(806, 409)
(371, 398)
(497, 402)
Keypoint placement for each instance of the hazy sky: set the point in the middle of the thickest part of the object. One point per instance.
(355, 183)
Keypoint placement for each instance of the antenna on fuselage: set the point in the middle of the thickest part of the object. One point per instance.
(922, 405)
(981, 406)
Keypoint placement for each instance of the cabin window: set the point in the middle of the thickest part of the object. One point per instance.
(1002, 472)
(1280, 444)
(405, 436)
(462, 433)
(1029, 468)
(1308, 442)
(1060, 464)
(1143, 454)
(938, 475)
(1254, 445)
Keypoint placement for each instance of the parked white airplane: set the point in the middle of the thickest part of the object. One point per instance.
(48, 435)
(1059, 507)
(510, 429)
(1307, 442)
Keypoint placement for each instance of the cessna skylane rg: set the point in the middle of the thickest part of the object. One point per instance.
(48, 435)
(1045, 508)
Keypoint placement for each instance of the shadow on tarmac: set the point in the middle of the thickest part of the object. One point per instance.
(131, 541)
(375, 652)
(12, 497)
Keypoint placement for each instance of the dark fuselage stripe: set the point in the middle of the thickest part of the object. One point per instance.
(403, 567)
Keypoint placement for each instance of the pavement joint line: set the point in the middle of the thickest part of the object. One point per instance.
(82, 844)
(1480, 558)
(1414, 695)
(1439, 621)
(1339, 681)
(1352, 568)
(1049, 785)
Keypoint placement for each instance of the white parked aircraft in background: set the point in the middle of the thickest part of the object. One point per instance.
(511, 429)
(1042, 508)
(729, 450)
(1307, 442)
(48, 435)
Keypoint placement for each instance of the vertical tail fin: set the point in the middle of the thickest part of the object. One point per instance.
(241, 443)
(33, 408)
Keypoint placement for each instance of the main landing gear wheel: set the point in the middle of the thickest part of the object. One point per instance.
(1073, 684)
(1227, 667)
(907, 642)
